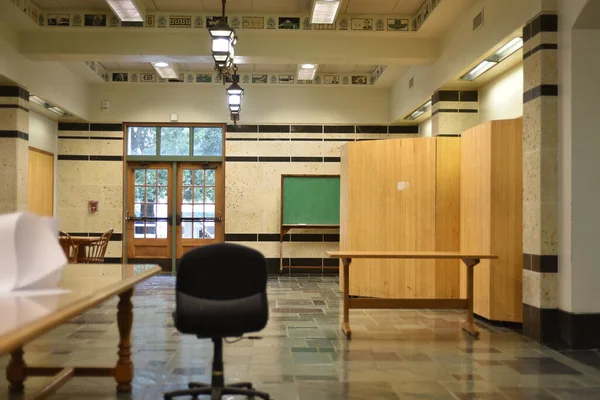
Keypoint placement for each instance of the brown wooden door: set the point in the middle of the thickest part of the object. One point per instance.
(149, 208)
(200, 204)
(41, 182)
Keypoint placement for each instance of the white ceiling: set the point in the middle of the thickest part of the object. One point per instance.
(247, 68)
(401, 7)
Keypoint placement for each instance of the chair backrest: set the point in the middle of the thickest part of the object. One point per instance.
(221, 291)
(95, 250)
(66, 242)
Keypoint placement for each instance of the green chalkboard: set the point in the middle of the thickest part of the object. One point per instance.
(310, 200)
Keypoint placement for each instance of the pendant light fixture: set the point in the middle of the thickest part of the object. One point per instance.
(235, 93)
(223, 46)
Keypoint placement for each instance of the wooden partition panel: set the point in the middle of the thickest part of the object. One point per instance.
(41, 182)
(390, 191)
(491, 215)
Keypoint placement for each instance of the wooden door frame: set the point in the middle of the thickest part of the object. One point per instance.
(192, 125)
(54, 168)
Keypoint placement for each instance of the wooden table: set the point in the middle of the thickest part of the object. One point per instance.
(80, 242)
(27, 317)
(469, 259)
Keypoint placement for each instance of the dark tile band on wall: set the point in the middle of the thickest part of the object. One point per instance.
(274, 159)
(332, 159)
(307, 128)
(537, 263)
(290, 237)
(540, 324)
(466, 96)
(14, 91)
(242, 128)
(14, 135)
(116, 237)
(242, 139)
(91, 137)
(307, 159)
(543, 46)
(380, 129)
(274, 128)
(73, 126)
(17, 106)
(454, 110)
(408, 129)
(541, 23)
(339, 129)
(579, 331)
(106, 127)
(70, 157)
(539, 91)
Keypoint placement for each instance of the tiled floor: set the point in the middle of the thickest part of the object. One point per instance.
(393, 354)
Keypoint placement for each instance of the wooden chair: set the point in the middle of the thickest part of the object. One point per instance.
(95, 250)
(68, 246)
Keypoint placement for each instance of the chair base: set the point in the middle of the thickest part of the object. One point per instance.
(216, 393)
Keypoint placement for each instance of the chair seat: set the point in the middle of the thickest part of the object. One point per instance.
(207, 318)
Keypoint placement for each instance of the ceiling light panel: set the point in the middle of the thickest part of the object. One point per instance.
(128, 10)
(507, 50)
(479, 70)
(307, 74)
(325, 11)
(168, 72)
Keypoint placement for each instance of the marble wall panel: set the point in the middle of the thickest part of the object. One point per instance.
(75, 146)
(114, 249)
(14, 119)
(540, 289)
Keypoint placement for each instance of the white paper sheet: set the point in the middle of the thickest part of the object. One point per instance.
(30, 254)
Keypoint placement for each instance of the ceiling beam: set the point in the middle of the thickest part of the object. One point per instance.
(253, 47)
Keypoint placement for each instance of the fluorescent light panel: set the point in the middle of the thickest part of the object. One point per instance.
(128, 10)
(49, 107)
(37, 100)
(419, 111)
(58, 111)
(168, 72)
(501, 54)
(306, 74)
(324, 11)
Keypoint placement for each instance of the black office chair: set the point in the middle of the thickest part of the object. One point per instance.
(221, 291)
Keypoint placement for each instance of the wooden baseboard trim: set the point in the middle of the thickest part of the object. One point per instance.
(408, 303)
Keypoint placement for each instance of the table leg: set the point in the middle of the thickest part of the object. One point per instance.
(15, 371)
(124, 368)
(346, 324)
(469, 324)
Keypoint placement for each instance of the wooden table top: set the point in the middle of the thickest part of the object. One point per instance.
(26, 317)
(410, 254)
(84, 239)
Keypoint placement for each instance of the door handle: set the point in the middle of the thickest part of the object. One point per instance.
(219, 217)
(178, 219)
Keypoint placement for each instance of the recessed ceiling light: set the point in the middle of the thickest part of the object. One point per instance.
(37, 100)
(479, 70)
(503, 52)
(58, 111)
(324, 11)
(306, 72)
(419, 111)
(165, 70)
(128, 10)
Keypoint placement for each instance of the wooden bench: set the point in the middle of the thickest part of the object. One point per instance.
(469, 259)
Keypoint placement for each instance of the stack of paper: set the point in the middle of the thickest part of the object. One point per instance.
(31, 257)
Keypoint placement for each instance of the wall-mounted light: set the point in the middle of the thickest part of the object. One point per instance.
(128, 10)
(223, 45)
(41, 102)
(165, 70)
(501, 54)
(419, 111)
(324, 11)
(306, 72)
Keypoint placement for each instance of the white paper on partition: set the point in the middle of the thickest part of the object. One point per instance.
(31, 257)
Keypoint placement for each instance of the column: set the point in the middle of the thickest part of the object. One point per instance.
(14, 148)
(454, 111)
(540, 178)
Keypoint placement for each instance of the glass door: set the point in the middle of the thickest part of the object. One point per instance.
(200, 205)
(149, 212)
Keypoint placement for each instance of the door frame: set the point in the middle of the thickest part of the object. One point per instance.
(176, 160)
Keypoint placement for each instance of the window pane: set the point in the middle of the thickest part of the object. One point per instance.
(174, 141)
(161, 230)
(137, 210)
(198, 195)
(198, 230)
(198, 211)
(151, 177)
(151, 195)
(162, 211)
(208, 141)
(141, 141)
(139, 194)
(150, 210)
(163, 177)
(186, 229)
(139, 177)
(210, 195)
(199, 177)
(187, 176)
(187, 194)
(209, 211)
(209, 230)
(138, 230)
(210, 177)
(162, 195)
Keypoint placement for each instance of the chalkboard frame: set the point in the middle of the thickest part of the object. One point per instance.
(314, 226)
(284, 229)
